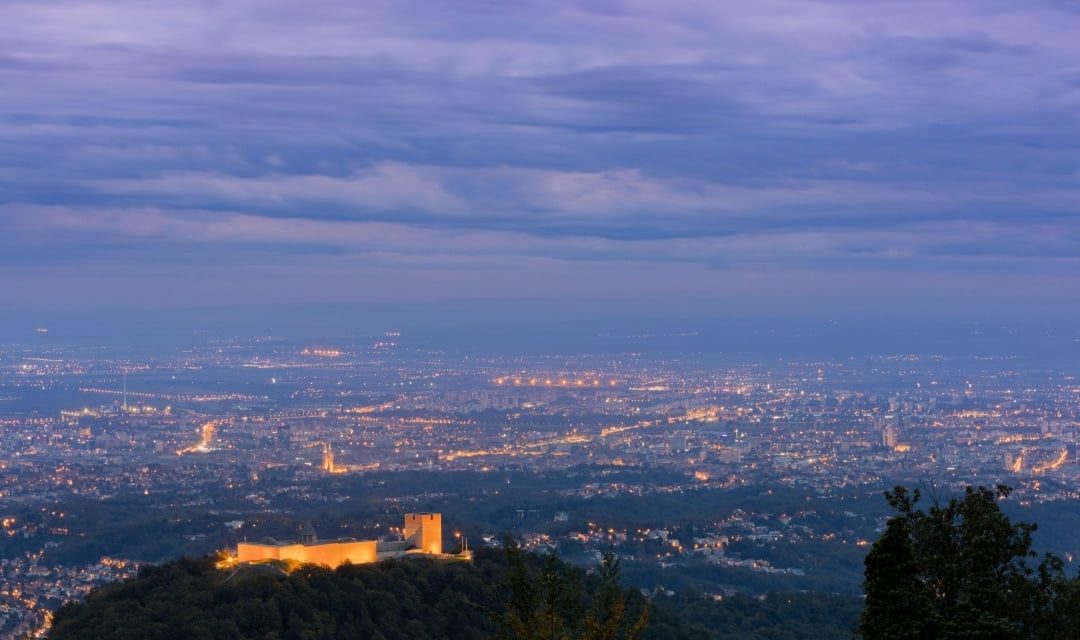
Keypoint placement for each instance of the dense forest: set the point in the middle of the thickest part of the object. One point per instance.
(418, 599)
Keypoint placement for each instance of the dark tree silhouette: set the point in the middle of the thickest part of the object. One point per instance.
(963, 569)
(556, 603)
(501, 594)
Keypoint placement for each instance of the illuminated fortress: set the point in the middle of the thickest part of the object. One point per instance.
(422, 536)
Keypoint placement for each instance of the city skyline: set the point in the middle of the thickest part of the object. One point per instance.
(693, 159)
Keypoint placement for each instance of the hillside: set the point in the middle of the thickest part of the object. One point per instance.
(413, 600)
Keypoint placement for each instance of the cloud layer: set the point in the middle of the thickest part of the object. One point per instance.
(849, 155)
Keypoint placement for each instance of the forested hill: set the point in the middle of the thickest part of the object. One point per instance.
(414, 600)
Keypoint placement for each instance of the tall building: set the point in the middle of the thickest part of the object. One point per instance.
(1009, 461)
(888, 437)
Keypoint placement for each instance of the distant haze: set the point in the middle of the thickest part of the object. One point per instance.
(508, 330)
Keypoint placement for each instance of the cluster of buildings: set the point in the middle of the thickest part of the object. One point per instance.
(31, 589)
(251, 429)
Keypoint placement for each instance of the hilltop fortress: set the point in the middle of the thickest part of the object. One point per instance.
(422, 536)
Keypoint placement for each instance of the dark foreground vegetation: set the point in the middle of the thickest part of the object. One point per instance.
(961, 569)
(499, 595)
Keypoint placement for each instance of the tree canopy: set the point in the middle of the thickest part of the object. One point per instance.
(551, 604)
(507, 595)
(962, 569)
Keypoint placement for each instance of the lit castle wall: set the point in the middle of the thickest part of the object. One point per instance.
(330, 553)
(423, 535)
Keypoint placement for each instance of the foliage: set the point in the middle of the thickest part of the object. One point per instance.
(777, 616)
(498, 595)
(550, 604)
(387, 601)
(962, 569)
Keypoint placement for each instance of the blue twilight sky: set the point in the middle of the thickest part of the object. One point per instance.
(765, 157)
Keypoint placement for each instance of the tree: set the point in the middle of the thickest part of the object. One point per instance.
(607, 620)
(535, 605)
(962, 570)
(895, 599)
(548, 603)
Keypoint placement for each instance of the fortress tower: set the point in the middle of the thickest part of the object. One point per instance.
(424, 530)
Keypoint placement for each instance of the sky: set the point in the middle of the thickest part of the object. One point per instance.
(618, 157)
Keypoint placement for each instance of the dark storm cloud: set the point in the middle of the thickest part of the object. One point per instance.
(784, 143)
